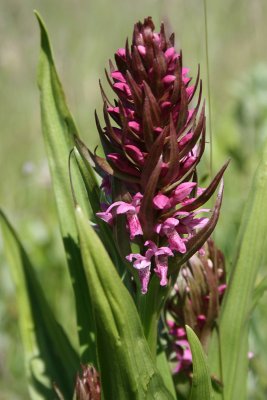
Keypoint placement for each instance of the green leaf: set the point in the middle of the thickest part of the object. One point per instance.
(229, 361)
(125, 361)
(59, 130)
(49, 356)
(201, 382)
(258, 292)
(165, 370)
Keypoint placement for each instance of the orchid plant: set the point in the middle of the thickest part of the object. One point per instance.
(159, 316)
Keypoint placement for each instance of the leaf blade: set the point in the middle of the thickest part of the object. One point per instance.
(48, 352)
(58, 130)
(234, 316)
(201, 382)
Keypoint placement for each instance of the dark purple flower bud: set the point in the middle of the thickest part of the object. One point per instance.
(153, 139)
(195, 301)
(88, 384)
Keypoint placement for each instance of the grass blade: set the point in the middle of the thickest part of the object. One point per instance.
(234, 320)
(165, 370)
(49, 356)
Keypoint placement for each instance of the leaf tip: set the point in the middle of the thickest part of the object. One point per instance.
(45, 43)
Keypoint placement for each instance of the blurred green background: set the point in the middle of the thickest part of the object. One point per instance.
(84, 36)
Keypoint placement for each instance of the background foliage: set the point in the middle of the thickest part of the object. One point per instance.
(84, 36)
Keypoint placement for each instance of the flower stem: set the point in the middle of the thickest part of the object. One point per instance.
(208, 80)
(149, 307)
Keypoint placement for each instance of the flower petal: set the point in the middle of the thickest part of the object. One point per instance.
(134, 225)
(161, 202)
(125, 208)
(176, 243)
(182, 191)
(105, 216)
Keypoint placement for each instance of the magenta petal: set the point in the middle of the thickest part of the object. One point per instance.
(200, 222)
(162, 274)
(183, 190)
(118, 76)
(131, 256)
(190, 90)
(176, 243)
(137, 199)
(123, 87)
(163, 251)
(185, 70)
(185, 139)
(186, 80)
(157, 228)
(190, 113)
(222, 288)
(134, 225)
(152, 247)
(135, 126)
(169, 225)
(168, 79)
(156, 37)
(140, 262)
(144, 276)
(121, 52)
(189, 162)
(187, 356)
(161, 202)
(113, 110)
(113, 205)
(135, 153)
(105, 216)
(162, 269)
(124, 208)
(165, 105)
(201, 319)
(180, 332)
(169, 53)
(122, 164)
(142, 50)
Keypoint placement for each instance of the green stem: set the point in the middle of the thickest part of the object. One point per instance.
(149, 308)
(208, 80)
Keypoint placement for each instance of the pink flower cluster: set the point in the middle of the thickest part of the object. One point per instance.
(195, 301)
(153, 140)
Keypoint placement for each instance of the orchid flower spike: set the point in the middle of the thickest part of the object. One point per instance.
(153, 139)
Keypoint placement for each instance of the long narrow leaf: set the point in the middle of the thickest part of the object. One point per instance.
(59, 130)
(49, 356)
(234, 321)
(126, 366)
(165, 370)
(201, 382)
